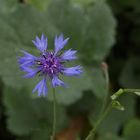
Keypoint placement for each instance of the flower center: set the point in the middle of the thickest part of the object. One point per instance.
(50, 64)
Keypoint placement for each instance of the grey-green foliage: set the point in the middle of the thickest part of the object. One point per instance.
(31, 117)
(82, 2)
(17, 31)
(20, 26)
(68, 19)
(8, 6)
(39, 4)
(92, 30)
(99, 36)
(76, 85)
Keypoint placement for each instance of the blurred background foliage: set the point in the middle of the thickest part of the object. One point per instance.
(101, 30)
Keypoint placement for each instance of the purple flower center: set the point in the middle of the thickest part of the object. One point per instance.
(50, 65)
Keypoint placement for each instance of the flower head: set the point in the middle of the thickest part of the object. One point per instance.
(50, 64)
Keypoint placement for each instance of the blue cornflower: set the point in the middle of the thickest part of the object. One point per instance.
(49, 65)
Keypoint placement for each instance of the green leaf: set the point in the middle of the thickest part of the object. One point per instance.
(76, 85)
(8, 6)
(27, 116)
(39, 4)
(72, 21)
(26, 22)
(100, 33)
(132, 130)
(18, 37)
(82, 2)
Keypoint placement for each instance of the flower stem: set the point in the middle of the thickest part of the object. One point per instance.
(131, 90)
(54, 116)
(105, 101)
(93, 131)
(122, 91)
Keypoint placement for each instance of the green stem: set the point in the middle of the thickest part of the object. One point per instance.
(105, 113)
(54, 116)
(107, 89)
(122, 91)
(131, 90)
(117, 94)
(93, 131)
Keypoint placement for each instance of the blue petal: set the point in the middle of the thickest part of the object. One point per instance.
(26, 69)
(30, 72)
(27, 60)
(28, 55)
(73, 71)
(41, 87)
(41, 44)
(57, 82)
(27, 64)
(60, 42)
(69, 55)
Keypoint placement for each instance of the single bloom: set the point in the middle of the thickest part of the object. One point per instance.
(50, 64)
